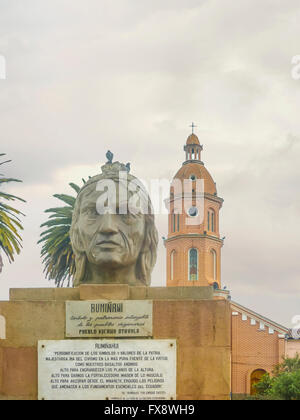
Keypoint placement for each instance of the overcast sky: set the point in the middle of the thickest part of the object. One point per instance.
(131, 76)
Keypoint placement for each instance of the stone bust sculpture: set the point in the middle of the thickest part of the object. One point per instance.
(113, 234)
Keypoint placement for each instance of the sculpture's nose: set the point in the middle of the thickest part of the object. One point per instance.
(108, 225)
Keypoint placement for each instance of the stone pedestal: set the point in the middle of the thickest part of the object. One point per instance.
(200, 325)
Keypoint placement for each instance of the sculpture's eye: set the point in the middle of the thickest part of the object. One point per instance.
(128, 218)
(131, 216)
(91, 212)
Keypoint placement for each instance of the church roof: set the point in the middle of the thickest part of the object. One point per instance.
(200, 172)
(192, 139)
(259, 318)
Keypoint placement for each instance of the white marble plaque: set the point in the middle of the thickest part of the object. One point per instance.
(107, 369)
(102, 318)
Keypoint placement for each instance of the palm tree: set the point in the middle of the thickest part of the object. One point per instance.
(57, 253)
(10, 239)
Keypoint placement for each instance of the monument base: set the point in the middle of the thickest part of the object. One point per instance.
(200, 325)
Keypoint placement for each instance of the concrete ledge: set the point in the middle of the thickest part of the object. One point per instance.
(104, 291)
(8, 398)
(50, 293)
(170, 293)
(111, 292)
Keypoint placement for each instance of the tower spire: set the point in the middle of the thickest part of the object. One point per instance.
(193, 126)
(193, 147)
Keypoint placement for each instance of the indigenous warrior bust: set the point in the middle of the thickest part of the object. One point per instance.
(113, 234)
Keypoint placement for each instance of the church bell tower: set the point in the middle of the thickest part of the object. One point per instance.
(193, 245)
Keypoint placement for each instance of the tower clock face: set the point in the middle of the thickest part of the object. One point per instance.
(193, 211)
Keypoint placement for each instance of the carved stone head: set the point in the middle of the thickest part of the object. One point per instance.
(113, 234)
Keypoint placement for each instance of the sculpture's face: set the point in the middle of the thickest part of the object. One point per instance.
(111, 240)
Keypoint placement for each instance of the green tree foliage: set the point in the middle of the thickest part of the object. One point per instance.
(10, 223)
(289, 365)
(57, 253)
(284, 383)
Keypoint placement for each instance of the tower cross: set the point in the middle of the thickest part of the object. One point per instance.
(193, 126)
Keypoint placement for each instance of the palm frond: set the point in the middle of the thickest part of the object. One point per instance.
(57, 253)
(75, 187)
(10, 197)
(10, 224)
(59, 210)
(66, 199)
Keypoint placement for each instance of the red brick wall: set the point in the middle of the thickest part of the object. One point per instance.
(252, 349)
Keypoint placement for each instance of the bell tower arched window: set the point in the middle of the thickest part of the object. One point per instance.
(193, 264)
(172, 260)
(213, 255)
(173, 222)
(211, 220)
